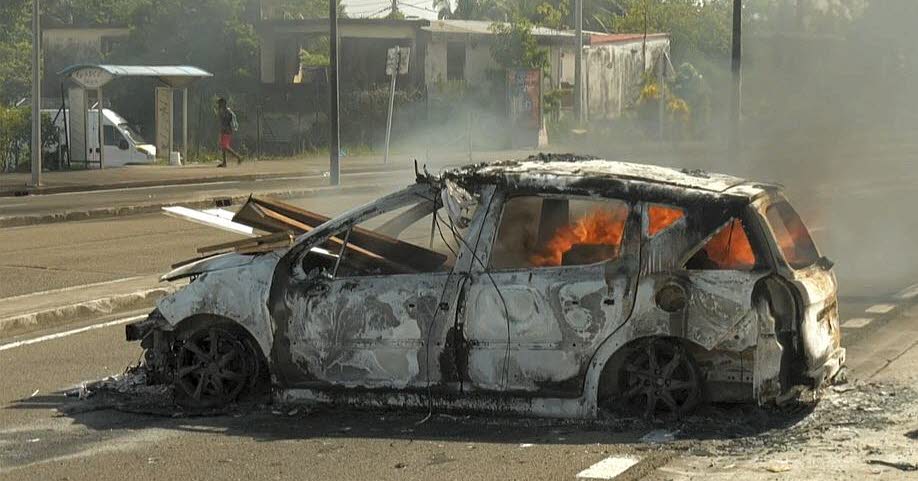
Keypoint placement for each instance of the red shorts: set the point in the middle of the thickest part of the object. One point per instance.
(225, 141)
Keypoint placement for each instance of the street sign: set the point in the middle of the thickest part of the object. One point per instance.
(91, 78)
(397, 59)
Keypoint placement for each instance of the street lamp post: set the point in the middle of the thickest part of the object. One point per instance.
(737, 92)
(578, 61)
(334, 147)
(36, 95)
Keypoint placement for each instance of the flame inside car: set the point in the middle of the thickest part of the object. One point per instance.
(598, 234)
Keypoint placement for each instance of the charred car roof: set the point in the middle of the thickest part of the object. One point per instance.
(564, 172)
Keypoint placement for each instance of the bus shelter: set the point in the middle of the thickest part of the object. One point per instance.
(93, 77)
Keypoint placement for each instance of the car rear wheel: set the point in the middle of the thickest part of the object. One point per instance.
(213, 367)
(659, 378)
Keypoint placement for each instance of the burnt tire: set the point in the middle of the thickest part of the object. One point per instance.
(660, 379)
(213, 367)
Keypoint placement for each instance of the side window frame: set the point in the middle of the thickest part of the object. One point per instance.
(761, 255)
(645, 219)
(506, 196)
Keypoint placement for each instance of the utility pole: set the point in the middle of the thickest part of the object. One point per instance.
(334, 145)
(578, 61)
(36, 95)
(737, 94)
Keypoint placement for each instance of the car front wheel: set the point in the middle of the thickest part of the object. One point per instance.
(213, 367)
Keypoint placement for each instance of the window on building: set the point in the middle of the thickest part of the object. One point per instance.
(728, 249)
(548, 232)
(455, 61)
(661, 217)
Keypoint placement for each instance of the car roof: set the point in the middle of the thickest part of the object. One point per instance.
(549, 170)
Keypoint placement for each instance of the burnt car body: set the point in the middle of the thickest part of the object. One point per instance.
(549, 286)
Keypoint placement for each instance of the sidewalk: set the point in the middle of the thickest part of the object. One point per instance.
(41, 310)
(156, 175)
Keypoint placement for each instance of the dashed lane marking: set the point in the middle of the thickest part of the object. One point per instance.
(59, 335)
(857, 323)
(608, 468)
(880, 308)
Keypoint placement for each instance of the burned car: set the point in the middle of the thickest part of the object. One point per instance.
(554, 286)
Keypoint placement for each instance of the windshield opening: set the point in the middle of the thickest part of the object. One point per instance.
(792, 236)
(131, 133)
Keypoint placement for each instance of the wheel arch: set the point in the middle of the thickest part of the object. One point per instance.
(610, 356)
(193, 323)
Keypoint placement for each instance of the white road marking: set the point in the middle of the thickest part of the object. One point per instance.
(857, 322)
(608, 468)
(908, 292)
(59, 335)
(72, 288)
(880, 308)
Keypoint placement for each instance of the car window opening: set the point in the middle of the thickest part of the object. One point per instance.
(792, 236)
(549, 232)
(728, 249)
(661, 217)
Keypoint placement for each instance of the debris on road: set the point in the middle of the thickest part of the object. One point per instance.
(901, 466)
(659, 436)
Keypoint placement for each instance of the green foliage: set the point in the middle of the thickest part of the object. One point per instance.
(16, 136)
(15, 50)
(315, 53)
(514, 45)
(90, 12)
(470, 9)
(696, 28)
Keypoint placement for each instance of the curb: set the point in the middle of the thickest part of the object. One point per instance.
(82, 311)
(25, 190)
(70, 216)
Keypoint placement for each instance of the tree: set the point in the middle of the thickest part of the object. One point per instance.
(469, 9)
(15, 50)
(515, 47)
(696, 28)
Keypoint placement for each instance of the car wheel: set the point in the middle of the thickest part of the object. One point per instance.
(659, 378)
(213, 367)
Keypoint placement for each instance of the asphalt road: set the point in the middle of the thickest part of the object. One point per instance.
(53, 256)
(47, 436)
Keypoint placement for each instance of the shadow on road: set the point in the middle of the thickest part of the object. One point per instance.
(295, 422)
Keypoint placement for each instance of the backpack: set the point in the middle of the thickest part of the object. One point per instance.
(233, 122)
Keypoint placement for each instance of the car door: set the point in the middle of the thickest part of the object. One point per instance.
(379, 311)
(555, 280)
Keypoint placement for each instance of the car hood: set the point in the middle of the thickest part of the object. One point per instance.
(208, 264)
(147, 149)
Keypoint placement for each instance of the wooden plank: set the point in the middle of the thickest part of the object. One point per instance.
(272, 238)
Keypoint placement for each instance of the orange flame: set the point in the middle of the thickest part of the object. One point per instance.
(661, 217)
(730, 248)
(601, 226)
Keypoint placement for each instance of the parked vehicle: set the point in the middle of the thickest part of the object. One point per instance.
(122, 145)
(553, 286)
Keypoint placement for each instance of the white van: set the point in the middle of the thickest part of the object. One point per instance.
(122, 144)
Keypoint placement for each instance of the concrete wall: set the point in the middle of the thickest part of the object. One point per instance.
(613, 74)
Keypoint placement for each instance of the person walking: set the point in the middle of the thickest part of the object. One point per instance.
(228, 126)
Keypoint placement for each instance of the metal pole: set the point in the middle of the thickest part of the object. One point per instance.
(334, 147)
(391, 105)
(185, 124)
(36, 95)
(101, 129)
(578, 61)
(737, 94)
(662, 93)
